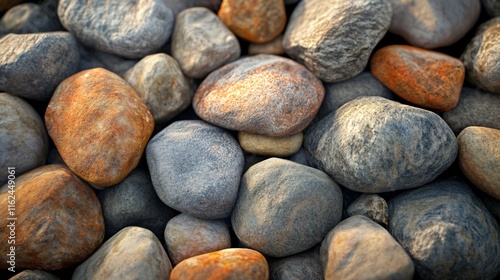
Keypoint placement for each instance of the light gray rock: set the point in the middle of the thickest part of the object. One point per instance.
(373, 145)
(334, 38)
(492, 7)
(196, 168)
(201, 42)
(447, 231)
(132, 253)
(481, 57)
(29, 18)
(305, 266)
(284, 208)
(32, 65)
(34, 275)
(131, 29)
(358, 248)
(372, 206)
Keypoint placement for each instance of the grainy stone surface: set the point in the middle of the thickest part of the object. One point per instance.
(358, 248)
(202, 43)
(492, 7)
(99, 125)
(426, 78)
(196, 168)
(334, 38)
(32, 65)
(479, 157)
(272, 47)
(443, 227)
(262, 94)
(284, 208)
(131, 29)
(132, 253)
(34, 275)
(372, 206)
(29, 18)
(481, 57)
(306, 266)
(433, 23)
(59, 219)
(270, 146)
(373, 145)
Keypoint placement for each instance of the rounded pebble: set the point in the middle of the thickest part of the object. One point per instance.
(270, 146)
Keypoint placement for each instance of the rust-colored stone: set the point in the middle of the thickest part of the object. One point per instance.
(426, 78)
(99, 125)
(59, 220)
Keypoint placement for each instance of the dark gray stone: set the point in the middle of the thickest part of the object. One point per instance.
(492, 7)
(29, 18)
(131, 29)
(284, 208)
(300, 157)
(32, 65)
(90, 59)
(334, 38)
(447, 231)
(196, 168)
(373, 145)
(302, 266)
(34, 275)
(178, 6)
(491, 204)
(372, 206)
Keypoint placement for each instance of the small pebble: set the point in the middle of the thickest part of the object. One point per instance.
(273, 47)
(372, 206)
(270, 146)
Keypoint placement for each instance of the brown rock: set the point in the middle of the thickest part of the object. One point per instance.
(233, 263)
(272, 47)
(59, 220)
(426, 78)
(479, 157)
(99, 125)
(7, 4)
(270, 146)
(257, 21)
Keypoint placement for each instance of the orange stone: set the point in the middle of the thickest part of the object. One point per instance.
(100, 126)
(59, 220)
(426, 78)
(258, 21)
(232, 263)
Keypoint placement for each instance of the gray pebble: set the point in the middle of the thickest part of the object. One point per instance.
(372, 206)
(302, 266)
(29, 18)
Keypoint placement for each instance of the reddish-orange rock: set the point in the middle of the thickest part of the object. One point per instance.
(99, 125)
(258, 21)
(426, 78)
(59, 220)
(233, 263)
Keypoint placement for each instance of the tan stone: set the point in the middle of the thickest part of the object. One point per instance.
(273, 47)
(270, 146)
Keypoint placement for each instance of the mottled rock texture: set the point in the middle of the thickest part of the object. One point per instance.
(270, 146)
(372, 206)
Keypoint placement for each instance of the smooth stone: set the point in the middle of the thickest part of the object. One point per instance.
(432, 24)
(178, 6)
(492, 7)
(359, 248)
(201, 43)
(371, 206)
(187, 237)
(426, 78)
(479, 158)
(374, 145)
(443, 226)
(99, 125)
(159, 81)
(7, 4)
(334, 38)
(132, 253)
(196, 168)
(241, 264)
(32, 65)
(24, 143)
(29, 18)
(285, 208)
(270, 146)
(257, 21)
(475, 108)
(132, 29)
(263, 94)
(34, 275)
(59, 220)
(272, 47)
(305, 265)
(481, 57)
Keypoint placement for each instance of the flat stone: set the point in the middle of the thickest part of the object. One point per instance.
(202, 43)
(99, 125)
(59, 220)
(187, 237)
(270, 146)
(305, 265)
(132, 29)
(475, 108)
(426, 78)
(374, 145)
(242, 264)
(443, 226)
(371, 206)
(285, 208)
(334, 39)
(479, 157)
(481, 57)
(29, 18)
(274, 46)
(34, 275)
(358, 248)
(132, 253)
(492, 7)
(23, 139)
(432, 24)
(159, 81)
(32, 65)
(196, 168)
(263, 94)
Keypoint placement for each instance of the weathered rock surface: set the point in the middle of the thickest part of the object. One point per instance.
(372, 206)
